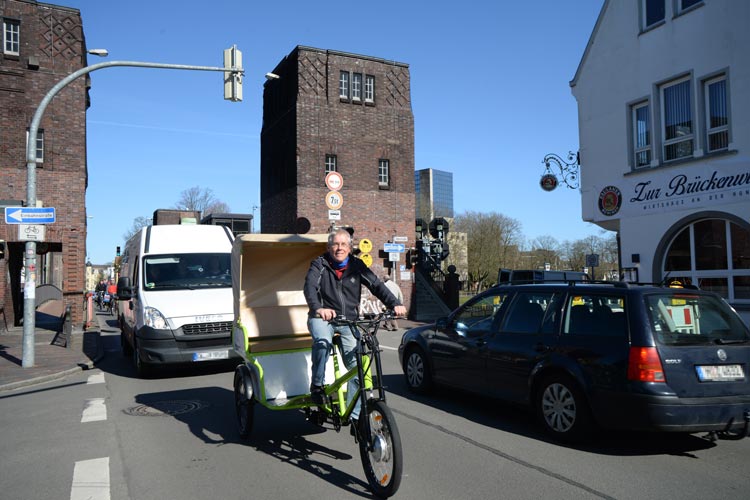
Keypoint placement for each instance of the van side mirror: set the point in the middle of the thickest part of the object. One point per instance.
(124, 288)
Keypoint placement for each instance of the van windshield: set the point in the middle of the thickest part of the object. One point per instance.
(186, 271)
(691, 318)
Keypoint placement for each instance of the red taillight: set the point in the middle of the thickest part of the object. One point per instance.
(644, 365)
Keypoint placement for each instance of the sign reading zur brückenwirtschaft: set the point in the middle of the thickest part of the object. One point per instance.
(692, 187)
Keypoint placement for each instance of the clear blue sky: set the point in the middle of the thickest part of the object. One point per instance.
(489, 83)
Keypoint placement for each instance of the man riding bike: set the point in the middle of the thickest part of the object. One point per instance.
(333, 287)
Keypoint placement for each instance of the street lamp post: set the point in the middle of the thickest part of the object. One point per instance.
(29, 296)
(569, 171)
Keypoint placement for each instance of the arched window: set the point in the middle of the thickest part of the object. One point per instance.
(714, 254)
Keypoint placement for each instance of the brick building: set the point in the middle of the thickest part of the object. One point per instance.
(335, 111)
(42, 44)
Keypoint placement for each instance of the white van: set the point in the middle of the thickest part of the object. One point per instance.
(175, 295)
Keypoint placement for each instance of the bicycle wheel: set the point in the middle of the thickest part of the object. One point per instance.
(244, 403)
(381, 451)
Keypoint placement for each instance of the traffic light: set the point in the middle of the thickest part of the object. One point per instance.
(419, 228)
(233, 75)
(438, 227)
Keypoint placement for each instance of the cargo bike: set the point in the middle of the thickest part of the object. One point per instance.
(270, 333)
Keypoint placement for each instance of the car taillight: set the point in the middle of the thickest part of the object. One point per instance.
(644, 365)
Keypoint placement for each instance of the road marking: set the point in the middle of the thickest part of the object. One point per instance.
(91, 480)
(389, 348)
(94, 410)
(96, 378)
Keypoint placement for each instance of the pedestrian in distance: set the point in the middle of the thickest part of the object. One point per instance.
(333, 287)
(392, 324)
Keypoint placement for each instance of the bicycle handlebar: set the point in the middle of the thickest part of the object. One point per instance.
(344, 321)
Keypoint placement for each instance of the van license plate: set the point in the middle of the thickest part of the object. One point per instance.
(210, 355)
(720, 373)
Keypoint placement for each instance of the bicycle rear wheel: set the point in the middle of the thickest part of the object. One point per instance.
(381, 450)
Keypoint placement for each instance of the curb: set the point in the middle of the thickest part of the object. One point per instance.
(82, 366)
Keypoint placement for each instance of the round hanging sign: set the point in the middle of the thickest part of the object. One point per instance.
(548, 182)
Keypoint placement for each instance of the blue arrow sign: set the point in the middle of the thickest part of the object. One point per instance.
(394, 247)
(29, 215)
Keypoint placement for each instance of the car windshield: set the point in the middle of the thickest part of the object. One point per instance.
(192, 271)
(684, 318)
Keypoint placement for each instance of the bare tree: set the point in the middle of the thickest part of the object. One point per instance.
(492, 242)
(202, 200)
(138, 223)
(545, 250)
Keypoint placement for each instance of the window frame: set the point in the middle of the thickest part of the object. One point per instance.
(680, 9)
(636, 147)
(645, 26)
(708, 129)
(696, 273)
(356, 87)
(369, 89)
(384, 172)
(9, 34)
(331, 163)
(673, 141)
(344, 86)
(39, 145)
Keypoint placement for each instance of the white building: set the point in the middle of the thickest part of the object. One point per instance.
(663, 91)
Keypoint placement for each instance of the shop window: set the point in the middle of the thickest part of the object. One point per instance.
(713, 254)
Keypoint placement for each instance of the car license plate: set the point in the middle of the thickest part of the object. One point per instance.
(720, 373)
(210, 355)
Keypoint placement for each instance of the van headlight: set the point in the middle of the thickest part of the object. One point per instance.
(154, 319)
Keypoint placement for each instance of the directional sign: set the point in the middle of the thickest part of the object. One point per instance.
(400, 239)
(29, 215)
(394, 247)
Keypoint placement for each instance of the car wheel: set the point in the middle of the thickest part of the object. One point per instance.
(417, 371)
(562, 408)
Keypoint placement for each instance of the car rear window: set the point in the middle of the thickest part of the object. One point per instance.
(683, 318)
(590, 314)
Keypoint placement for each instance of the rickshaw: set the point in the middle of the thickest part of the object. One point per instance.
(270, 333)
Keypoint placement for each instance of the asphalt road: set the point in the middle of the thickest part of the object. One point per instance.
(174, 436)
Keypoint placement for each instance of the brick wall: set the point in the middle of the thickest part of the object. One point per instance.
(304, 120)
(52, 47)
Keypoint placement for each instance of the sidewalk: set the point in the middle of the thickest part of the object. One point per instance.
(51, 362)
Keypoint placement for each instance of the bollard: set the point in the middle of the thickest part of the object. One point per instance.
(68, 327)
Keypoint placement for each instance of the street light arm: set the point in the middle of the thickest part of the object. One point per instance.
(30, 270)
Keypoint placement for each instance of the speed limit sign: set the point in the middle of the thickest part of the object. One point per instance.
(334, 200)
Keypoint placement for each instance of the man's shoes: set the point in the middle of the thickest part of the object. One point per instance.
(318, 395)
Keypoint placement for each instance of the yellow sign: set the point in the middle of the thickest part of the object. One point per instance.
(365, 245)
(366, 258)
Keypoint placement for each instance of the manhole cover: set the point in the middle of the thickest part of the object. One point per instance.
(165, 408)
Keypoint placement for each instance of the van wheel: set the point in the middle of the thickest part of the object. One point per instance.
(142, 369)
(127, 350)
(562, 409)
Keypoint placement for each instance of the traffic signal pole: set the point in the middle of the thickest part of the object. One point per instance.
(30, 265)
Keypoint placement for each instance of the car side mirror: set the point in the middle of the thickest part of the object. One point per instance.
(124, 288)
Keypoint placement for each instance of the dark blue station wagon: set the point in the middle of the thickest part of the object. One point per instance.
(616, 355)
